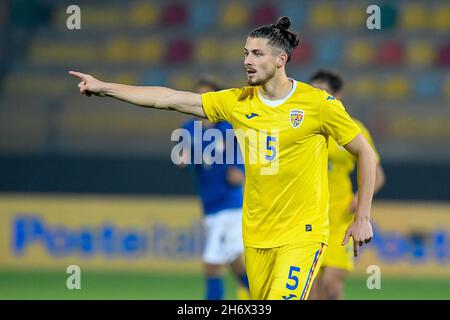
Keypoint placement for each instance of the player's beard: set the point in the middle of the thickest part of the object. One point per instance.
(260, 81)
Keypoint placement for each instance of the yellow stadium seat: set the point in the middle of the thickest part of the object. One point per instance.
(101, 17)
(364, 87)
(148, 51)
(414, 17)
(233, 15)
(420, 54)
(118, 49)
(441, 18)
(359, 52)
(127, 78)
(62, 53)
(446, 89)
(207, 50)
(395, 87)
(353, 16)
(182, 81)
(324, 16)
(143, 14)
(233, 51)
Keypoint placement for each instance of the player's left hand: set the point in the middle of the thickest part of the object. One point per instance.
(361, 232)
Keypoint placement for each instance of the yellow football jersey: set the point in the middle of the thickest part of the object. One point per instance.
(341, 164)
(286, 159)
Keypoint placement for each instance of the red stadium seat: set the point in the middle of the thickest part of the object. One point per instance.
(444, 55)
(175, 14)
(390, 53)
(303, 53)
(179, 51)
(264, 14)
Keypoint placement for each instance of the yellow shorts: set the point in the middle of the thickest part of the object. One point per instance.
(338, 256)
(285, 272)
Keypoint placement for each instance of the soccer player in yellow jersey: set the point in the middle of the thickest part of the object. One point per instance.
(283, 127)
(338, 260)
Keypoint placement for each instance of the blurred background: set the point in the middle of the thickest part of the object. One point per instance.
(90, 181)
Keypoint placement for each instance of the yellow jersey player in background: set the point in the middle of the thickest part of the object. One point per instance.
(283, 127)
(338, 260)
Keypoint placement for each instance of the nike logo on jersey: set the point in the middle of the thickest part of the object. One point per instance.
(249, 116)
(330, 98)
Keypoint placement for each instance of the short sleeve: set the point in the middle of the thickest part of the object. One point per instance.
(218, 104)
(336, 122)
(368, 137)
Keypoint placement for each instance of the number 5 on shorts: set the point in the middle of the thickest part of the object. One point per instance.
(291, 276)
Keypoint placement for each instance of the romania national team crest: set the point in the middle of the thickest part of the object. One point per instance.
(296, 118)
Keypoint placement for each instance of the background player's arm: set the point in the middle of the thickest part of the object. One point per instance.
(360, 229)
(149, 97)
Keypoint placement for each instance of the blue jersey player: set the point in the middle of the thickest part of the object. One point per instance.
(220, 188)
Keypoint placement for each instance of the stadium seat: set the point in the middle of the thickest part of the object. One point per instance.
(388, 16)
(101, 17)
(328, 49)
(144, 14)
(62, 53)
(441, 18)
(118, 49)
(154, 77)
(354, 16)
(182, 80)
(414, 17)
(174, 14)
(364, 87)
(202, 14)
(444, 55)
(389, 53)
(303, 53)
(359, 52)
(233, 15)
(427, 86)
(395, 87)
(207, 50)
(446, 88)
(324, 16)
(420, 54)
(297, 11)
(148, 51)
(232, 51)
(125, 77)
(263, 14)
(178, 51)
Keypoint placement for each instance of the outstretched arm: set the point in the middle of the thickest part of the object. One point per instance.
(361, 229)
(149, 97)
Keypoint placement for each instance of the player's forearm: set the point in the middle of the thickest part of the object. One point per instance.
(150, 97)
(379, 178)
(366, 183)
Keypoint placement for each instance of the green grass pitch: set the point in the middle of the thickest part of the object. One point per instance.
(95, 285)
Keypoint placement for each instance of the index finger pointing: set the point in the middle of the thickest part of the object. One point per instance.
(77, 74)
(355, 248)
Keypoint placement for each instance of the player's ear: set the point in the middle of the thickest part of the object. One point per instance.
(282, 59)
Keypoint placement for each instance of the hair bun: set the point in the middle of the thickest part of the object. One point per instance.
(284, 23)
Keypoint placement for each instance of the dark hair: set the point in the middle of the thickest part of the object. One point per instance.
(208, 81)
(332, 79)
(279, 35)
